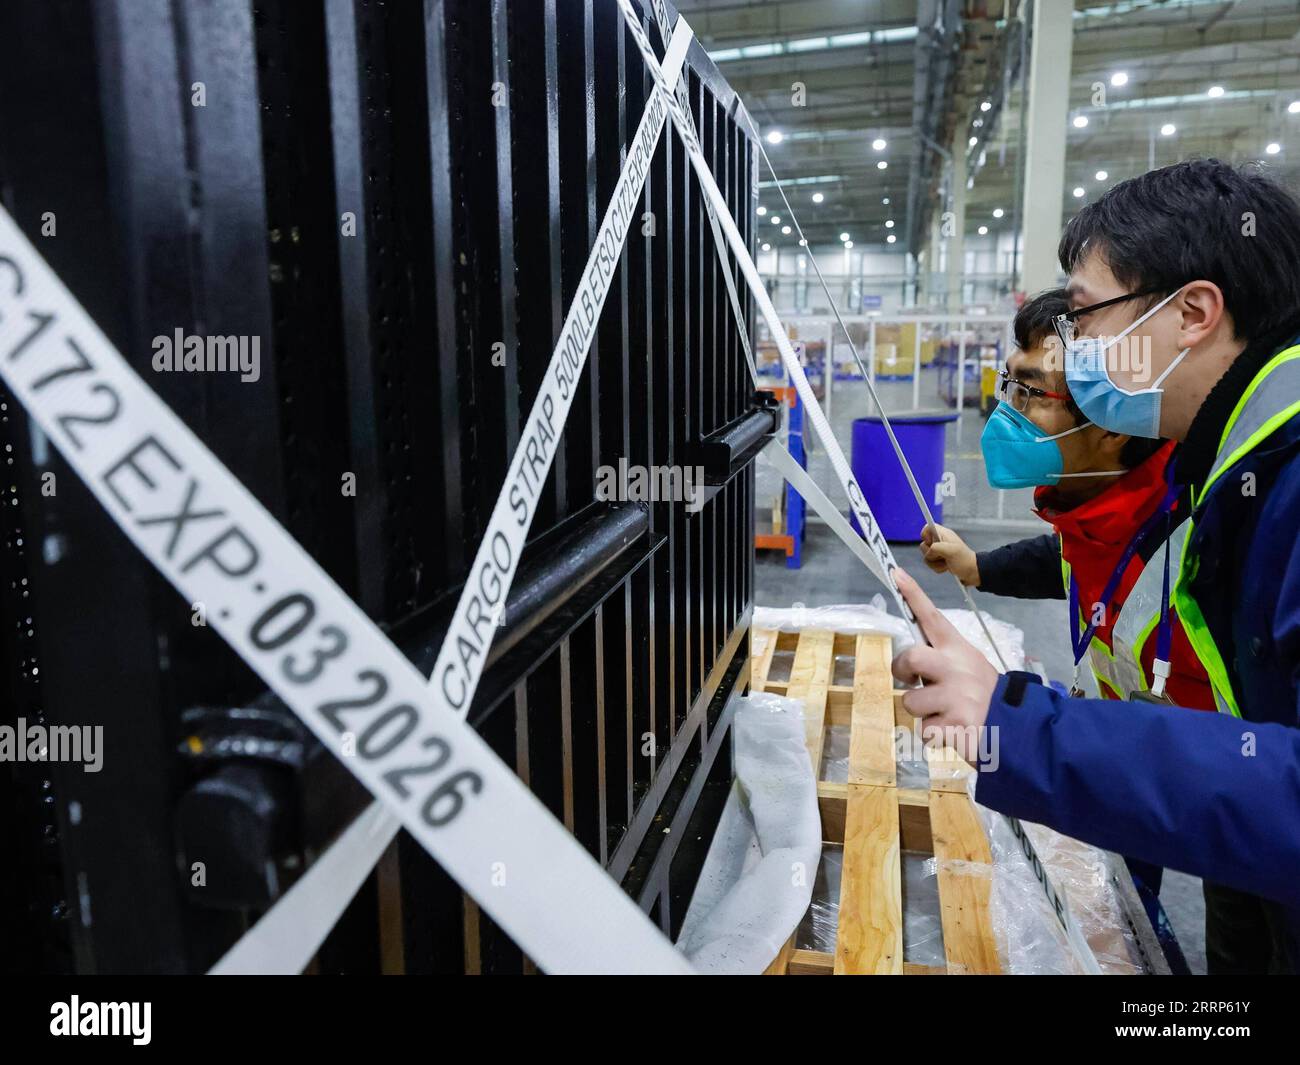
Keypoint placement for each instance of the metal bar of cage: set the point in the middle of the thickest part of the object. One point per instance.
(397, 200)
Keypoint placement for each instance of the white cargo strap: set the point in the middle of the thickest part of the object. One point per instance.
(311, 644)
(785, 463)
(874, 538)
(686, 131)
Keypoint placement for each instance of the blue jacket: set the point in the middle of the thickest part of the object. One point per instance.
(1206, 793)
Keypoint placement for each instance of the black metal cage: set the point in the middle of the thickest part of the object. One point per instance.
(396, 198)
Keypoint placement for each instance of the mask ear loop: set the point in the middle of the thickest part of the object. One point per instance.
(1077, 429)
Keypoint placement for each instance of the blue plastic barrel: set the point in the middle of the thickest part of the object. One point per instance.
(920, 434)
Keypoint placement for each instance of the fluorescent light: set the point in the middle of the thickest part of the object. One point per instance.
(882, 165)
(983, 231)
(821, 179)
(889, 224)
(1078, 192)
(1119, 78)
(890, 239)
(761, 210)
(885, 201)
(896, 34)
(1214, 91)
(1168, 129)
(998, 212)
(1101, 175)
(767, 247)
(972, 142)
(803, 243)
(1273, 148)
(1294, 107)
(776, 220)
(844, 236)
(775, 137)
(880, 144)
(986, 106)
(785, 230)
(1080, 121)
(848, 244)
(818, 197)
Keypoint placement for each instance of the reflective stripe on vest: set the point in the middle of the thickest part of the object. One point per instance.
(1258, 413)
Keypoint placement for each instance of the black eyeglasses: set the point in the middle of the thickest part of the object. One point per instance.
(1064, 324)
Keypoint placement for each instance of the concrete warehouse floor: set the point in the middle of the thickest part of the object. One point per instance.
(831, 575)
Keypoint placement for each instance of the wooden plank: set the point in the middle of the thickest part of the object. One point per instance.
(810, 676)
(871, 742)
(870, 935)
(901, 716)
(762, 661)
(833, 801)
(811, 963)
(963, 893)
(948, 770)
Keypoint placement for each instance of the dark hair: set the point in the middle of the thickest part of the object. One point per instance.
(1034, 319)
(1200, 219)
(1033, 324)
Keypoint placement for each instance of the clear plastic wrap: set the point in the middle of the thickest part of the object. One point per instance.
(874, 616)
(1029, 939)
(922, 920)
(756, 882)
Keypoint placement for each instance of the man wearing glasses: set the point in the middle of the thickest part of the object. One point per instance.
(1185, 324)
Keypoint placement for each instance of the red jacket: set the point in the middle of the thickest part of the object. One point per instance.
(1094, 534)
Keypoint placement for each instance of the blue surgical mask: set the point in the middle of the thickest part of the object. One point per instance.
(1135, 413)
(1018, 454)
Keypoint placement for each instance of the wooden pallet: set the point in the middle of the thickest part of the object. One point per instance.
(875, 820)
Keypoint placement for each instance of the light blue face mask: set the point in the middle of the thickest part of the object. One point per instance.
(1018, 454)
(1135, 413)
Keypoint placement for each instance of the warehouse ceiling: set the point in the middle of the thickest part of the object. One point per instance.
(915, 74)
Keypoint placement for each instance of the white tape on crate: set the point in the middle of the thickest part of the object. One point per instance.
(292, 930)
(872, 534)
(857, 501)
(308, 641)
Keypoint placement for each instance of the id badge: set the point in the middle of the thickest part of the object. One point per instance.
(1147, 697)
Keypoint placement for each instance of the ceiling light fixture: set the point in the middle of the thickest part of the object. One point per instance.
(1119, 78)
(775, 137)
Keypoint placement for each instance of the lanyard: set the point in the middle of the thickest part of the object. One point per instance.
(1080, 642)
